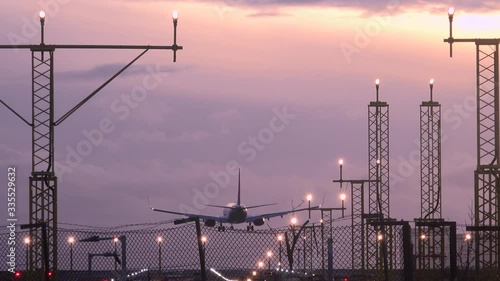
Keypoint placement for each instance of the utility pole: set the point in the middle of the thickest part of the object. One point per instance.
(43, 180)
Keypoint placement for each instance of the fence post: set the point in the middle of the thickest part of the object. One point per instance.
(330, 259)
(453, 251)
(383, 245)
(201, 250)
(123, 241)
(409, 270)
(90, 265)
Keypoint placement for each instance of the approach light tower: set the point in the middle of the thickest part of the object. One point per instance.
(487, 173)
(358, 223)
(430, 157)
(378, 173)
(43, 181)
(430, 234)
(378, 155)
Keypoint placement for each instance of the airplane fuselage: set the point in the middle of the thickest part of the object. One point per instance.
(235, 213)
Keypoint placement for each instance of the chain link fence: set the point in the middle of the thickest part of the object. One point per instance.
(175, 252)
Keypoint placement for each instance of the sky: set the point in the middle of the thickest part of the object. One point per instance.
(278, 88)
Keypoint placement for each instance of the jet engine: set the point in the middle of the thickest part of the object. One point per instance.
(258, 222)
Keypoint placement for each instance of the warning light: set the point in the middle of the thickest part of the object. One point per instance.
(17, 274)
(345, 279)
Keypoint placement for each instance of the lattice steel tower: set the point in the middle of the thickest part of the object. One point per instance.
(430, 239)
(378, 155)
(430, 157)
(43, 181)
(378, 172)
(487, 173)
(358, 236)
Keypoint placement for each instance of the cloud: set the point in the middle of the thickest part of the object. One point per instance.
(265, 14)
(158, 136)
(108, 70)
(189, 137)
(230, 114)
(373, 6)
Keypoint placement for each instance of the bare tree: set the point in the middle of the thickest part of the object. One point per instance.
(466, 251)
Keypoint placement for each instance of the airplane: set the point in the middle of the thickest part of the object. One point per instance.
(235, 213)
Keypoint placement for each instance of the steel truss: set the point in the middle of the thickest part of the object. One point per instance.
(43, 182)
(378, 192)
(430, 160)
(430, 240)
(487, 174)
(358, 222)
(430, 236)
(326, 232)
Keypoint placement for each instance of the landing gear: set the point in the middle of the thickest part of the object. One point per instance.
(231, 227)
(250, 227)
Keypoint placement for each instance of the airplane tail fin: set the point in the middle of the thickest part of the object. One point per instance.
(239, 187)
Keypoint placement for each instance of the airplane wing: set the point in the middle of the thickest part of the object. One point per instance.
(218, 206)
(203, 217)
(258, 206)
(277, 214)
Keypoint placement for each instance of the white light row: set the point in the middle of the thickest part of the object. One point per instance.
(286, 270)
(136, 273)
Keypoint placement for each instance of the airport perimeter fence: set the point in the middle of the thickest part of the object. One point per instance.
(173, 252)
(169, 252)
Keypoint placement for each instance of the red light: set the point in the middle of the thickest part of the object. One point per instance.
(345, 279)
(49, 274)
(17, 274)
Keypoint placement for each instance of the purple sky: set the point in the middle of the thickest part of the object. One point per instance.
(243, 62)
